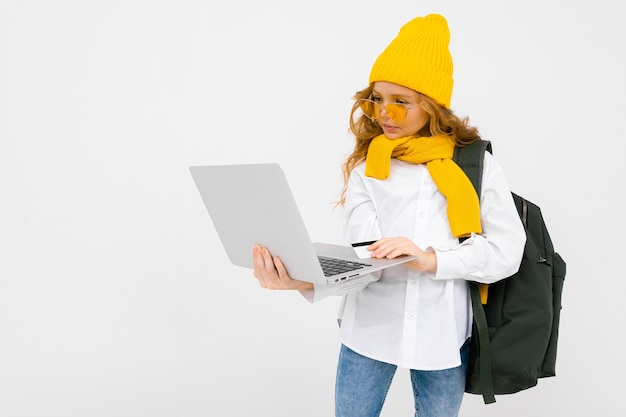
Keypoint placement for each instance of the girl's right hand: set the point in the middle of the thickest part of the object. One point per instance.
(271, 273)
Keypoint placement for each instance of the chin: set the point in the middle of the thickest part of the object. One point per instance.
(393, 136)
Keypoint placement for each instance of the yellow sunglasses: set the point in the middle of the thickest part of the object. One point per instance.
(395, 111)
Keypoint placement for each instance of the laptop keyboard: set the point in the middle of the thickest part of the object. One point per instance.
(333, 266)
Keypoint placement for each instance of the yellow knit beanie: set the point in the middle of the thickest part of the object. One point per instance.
(419, 58)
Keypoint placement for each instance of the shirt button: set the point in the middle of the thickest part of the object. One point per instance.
(421, 214)
(410, 316)
(413, 281)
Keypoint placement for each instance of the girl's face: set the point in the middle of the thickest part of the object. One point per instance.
(416, 119)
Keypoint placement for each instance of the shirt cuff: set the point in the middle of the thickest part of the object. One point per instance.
(449, 264)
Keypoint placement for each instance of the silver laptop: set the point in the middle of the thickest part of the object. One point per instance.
(252, 204)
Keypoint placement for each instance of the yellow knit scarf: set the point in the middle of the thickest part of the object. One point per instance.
(436, 152)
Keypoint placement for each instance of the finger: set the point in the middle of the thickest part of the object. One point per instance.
(394, 253)
(260, 265)
(268, 261)
(380, 248)
(257, 261)
(390, 250)
(376, 244)
(280, 269)
(263, 268)
(272, 276)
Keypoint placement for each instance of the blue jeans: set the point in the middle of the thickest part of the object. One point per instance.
(362, 385)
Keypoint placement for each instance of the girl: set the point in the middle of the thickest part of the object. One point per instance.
(403, 190)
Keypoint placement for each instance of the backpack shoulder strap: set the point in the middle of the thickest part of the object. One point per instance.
(470, 158)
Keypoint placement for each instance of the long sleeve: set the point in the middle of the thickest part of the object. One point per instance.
(360, 224)
(497, 252)
(415, 319)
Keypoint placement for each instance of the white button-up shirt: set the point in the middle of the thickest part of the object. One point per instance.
(413, 319)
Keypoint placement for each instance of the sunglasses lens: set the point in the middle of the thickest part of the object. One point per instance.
(395, 112)
(369, 108)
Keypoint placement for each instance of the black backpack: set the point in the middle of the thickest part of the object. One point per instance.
(514, 335)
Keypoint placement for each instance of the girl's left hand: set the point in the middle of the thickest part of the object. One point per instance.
(392, 247)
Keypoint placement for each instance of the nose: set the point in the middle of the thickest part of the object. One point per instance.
(388, 113)
(382, 110)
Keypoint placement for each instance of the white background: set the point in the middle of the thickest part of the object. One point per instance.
(116, 297)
